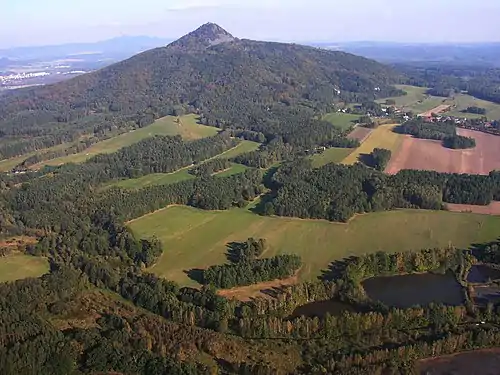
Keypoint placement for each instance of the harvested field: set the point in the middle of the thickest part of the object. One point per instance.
(360, 133)
(424, 154)
(492, 209)
(381, 137)
(478, 362)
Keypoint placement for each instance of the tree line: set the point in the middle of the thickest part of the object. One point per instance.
(337, 192)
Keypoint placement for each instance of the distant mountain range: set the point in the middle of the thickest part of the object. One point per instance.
(487, 54)
(125, 46)
(120, 46)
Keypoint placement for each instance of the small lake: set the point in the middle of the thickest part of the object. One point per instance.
(410, 290)
(321, 308)
(481, 273)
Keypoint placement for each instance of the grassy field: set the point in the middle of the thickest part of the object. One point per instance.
(170, 178)
(188, 128)
(17, 267)
(381, 137)
(155, 179)
(235, 169)
(196, 239)
(242, 148)
(413, 95)
(463, 101)
(182, 174)
(331, 155)
(341, 120)
(418, 101)
(7, 164)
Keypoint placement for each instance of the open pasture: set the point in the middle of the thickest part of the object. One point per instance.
(427, 154)
(17, 266)
(186, 126)
(381, 137)
(331, 155)
(344, 121)
(194, 238)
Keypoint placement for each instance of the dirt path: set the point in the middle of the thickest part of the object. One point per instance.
(437, 110)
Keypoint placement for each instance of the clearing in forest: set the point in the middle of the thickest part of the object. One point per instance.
(182, 174)
(425, 154)
(185, 126)
(195, 239)
(331, 155)
(344, 121)
(381, 137)
(17, 266)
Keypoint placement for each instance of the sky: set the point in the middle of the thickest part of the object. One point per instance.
(42, 22)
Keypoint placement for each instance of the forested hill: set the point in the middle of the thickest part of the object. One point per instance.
(242, 83)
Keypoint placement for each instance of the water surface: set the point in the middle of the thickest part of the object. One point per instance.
(410, 290)
(480, 273)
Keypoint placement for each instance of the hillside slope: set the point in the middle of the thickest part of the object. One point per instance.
(247, 84)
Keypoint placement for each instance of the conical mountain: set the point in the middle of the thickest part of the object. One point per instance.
(207, 35)
(271, 88)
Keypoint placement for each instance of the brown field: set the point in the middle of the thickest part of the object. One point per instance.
(492, 209)
(479, 362)
(426, 154)
(360, 133)
(246, 293)
(437, 110)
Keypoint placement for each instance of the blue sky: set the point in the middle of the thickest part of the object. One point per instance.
(35, 22)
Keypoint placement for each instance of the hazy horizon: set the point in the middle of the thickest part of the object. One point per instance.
(53, 22)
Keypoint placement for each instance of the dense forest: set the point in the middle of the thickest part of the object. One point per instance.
(446, 79)
(337, 192)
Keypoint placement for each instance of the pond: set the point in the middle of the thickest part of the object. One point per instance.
(485, 294)
(480, 273)
(410, 290)
(321, 308)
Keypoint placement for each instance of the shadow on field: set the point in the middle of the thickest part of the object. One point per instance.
(336, 269)
(196, 274)
(261, 207)
(367, 160)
